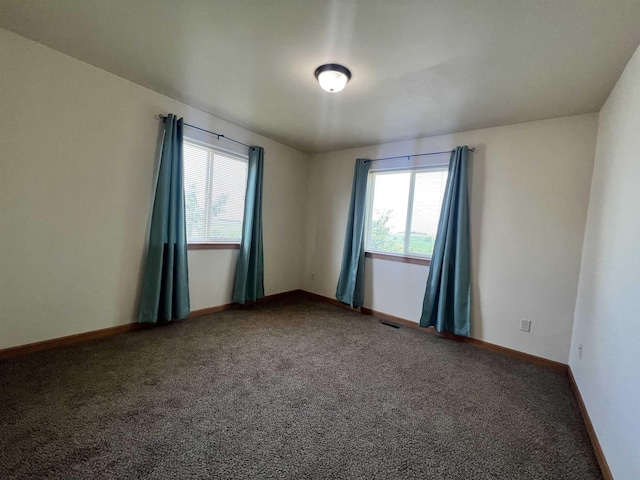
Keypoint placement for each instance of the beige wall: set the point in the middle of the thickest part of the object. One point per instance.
(529, 193)
(607, 315)
(77, 164)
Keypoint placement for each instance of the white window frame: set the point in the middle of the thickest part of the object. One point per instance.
(218, 241)
(369, 209)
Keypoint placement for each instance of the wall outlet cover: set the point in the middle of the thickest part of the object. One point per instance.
(525, 325)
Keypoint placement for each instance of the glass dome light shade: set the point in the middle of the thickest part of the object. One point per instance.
(332, 77)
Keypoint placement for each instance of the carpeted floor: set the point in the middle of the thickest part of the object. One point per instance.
(298, 390)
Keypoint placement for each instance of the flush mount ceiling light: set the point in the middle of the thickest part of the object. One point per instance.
(332, 77)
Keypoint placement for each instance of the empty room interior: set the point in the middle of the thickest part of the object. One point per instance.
(320, 239)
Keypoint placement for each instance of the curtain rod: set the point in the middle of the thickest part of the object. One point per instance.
(219, 135)
(408, 157)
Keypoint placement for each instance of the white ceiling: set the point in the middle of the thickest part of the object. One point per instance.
(419, 68)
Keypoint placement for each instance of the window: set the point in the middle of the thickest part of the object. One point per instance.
(215, 183)
(404, 209)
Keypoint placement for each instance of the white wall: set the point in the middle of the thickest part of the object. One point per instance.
(607, 316)
(529, 194)
(77, 162)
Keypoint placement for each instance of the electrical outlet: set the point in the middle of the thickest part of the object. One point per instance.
(313, 276)
(580, 352)
(525, 325)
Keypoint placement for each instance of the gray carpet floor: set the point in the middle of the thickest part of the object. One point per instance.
(295, 389)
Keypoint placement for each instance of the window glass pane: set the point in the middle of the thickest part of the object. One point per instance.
(389, 212)
(228, 185)
(215, 186)
(427, 203)
(195, 189)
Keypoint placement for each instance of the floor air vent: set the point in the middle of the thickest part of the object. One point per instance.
(388, 324)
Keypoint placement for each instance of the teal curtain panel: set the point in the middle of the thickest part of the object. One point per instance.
(249, 280)
(447, 299)
(351, 281)
(165, 290)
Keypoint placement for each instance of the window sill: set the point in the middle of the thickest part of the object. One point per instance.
(398, 258)
(213, 246)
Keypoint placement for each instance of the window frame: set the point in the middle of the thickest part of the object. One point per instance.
(405, 256)
(223, 243)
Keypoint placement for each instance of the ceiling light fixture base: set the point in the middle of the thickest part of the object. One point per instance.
(332, 77)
